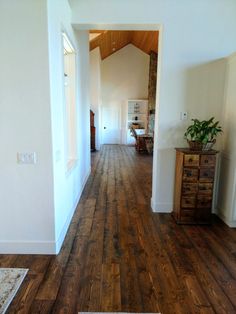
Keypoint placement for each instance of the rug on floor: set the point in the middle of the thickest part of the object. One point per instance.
(10, 281)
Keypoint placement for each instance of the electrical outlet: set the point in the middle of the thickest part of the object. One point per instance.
(26, 158)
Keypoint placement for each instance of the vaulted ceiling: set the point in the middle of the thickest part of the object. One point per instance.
(111, 41)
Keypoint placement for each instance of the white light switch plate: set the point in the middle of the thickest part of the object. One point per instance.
(183, 115)
(26, 158)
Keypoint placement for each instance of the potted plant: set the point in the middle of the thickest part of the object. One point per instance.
(201, 135)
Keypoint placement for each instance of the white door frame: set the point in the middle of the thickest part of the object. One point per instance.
(147, 27)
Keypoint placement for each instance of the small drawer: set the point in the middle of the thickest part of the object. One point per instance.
(190, 175)
(189, 188)
(205, 188)
(208, 160)
(203, 215)
(187, 216)
(204, 202)
(188, 202)
(207, 175)
(191, 160)
(187, 212)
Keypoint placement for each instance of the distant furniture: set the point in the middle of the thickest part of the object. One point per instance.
(140, 131)
(143, 141)
(194, 182)
(92, 131)
(133, 133)
(136, 117)
(148, 139)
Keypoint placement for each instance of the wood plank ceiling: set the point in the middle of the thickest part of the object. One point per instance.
(111, 41)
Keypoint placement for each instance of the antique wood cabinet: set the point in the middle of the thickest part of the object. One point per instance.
(92, 132)
(194, 181)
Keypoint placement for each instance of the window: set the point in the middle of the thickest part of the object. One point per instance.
(70, 100)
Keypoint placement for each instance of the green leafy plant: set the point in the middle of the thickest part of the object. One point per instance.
(203, 131)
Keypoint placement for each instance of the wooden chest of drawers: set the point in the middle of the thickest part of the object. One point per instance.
(194, 180)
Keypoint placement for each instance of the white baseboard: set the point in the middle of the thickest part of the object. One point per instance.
(60, 239)
(27, 247)
(161, 207)
(230, 223)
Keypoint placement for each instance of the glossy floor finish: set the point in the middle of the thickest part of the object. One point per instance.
(118, 256)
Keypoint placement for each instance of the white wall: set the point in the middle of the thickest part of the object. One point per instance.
(227, 183)
(125, 75)
(26, 191)
(193, 34)
(95, 91)
(68, 183)
(38, 201)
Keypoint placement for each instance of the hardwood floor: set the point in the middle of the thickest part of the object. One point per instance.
(119, 256)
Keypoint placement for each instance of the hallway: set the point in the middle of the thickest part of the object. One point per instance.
(119, 256)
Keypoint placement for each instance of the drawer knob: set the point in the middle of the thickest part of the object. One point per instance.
(206, 161)
(190, 160)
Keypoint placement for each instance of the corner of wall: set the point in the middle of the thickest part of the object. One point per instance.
(161, 207)
(59, 241)
(228, 222)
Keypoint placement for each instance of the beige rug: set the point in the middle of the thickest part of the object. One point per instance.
(10, 281)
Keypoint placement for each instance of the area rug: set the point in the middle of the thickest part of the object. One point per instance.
(10, 281)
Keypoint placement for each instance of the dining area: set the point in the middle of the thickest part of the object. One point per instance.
(143, 140)
(140, 125)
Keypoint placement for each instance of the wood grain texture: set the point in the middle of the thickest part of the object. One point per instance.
(118, 256)
(178, 183)
(152, 82)
(194, 186)
(111, 41)
(147, 41)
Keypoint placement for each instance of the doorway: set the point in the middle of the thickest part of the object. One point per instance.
(123, 73)
(111, 132)
(153, 113)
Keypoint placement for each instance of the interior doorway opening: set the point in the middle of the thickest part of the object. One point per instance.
(123, 72)
(139, 27)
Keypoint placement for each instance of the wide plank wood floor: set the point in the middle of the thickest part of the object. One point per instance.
(119, 256)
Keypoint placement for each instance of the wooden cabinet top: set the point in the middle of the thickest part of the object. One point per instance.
(197, 152)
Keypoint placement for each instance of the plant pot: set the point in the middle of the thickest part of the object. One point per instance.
(195, 145)
(209, 145)
(198, 146)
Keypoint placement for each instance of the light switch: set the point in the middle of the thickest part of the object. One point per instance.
(26, 158)
(183, 115)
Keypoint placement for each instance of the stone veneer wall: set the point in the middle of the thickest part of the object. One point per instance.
(152, 81)
(152, 91)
